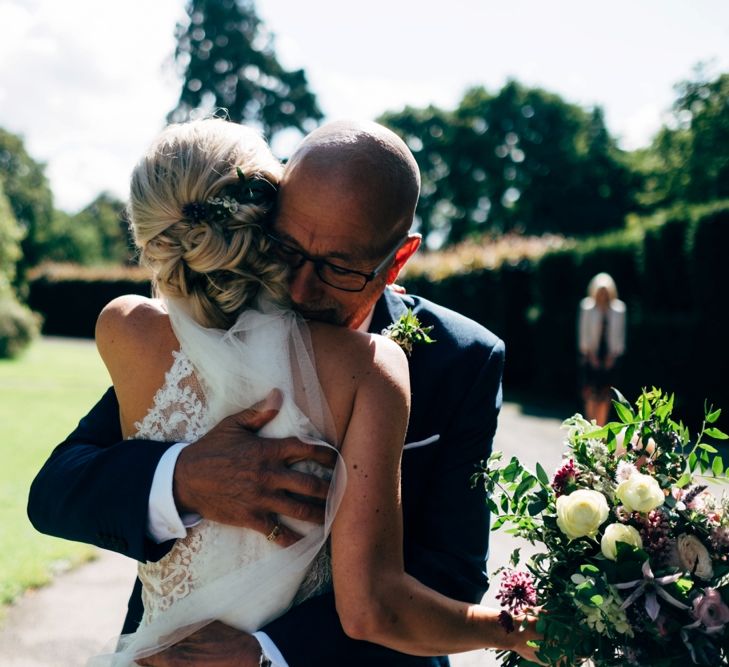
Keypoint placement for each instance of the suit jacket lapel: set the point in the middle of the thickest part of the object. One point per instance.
(388, 309)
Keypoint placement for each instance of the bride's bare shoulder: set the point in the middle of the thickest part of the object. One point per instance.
(133, 328)
(357, 353)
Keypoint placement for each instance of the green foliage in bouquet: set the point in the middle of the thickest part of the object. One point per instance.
(632, 566)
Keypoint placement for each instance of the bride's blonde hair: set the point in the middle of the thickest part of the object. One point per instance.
(219, 264)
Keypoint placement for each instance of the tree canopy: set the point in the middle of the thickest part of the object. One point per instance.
(523, 159)
(29, 195)
(10, 236)
(228, 60)
(98, 234)
(688, 160)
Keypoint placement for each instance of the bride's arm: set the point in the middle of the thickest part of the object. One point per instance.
(376, 600)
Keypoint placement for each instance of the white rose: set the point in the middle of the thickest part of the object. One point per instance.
(581, 512)
(640, 493)
(694, 557)
(618, 532)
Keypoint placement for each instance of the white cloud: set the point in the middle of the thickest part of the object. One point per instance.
(84, 85)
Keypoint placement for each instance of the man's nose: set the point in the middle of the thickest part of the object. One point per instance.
(304, 283)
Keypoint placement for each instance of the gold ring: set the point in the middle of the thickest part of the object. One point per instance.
(271, 537)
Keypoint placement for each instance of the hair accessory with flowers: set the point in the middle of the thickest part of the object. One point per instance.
(255, 190)
(631, 558)
(408, 331)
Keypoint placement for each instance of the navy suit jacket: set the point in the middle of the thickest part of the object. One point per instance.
(95, 486)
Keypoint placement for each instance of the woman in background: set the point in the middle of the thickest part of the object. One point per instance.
(601, 344)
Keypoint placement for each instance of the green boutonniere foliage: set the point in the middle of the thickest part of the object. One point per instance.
(408, 331)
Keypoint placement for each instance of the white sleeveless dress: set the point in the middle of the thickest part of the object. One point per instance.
(220, 572)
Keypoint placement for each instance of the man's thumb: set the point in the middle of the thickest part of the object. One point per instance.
(259, 414)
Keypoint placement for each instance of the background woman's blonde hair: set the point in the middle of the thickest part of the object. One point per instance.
(603, 280)
(219, 265)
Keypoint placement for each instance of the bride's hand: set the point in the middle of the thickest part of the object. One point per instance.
(523, 633)
(237, 478)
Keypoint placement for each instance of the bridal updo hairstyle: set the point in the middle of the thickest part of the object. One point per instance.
(218, 264)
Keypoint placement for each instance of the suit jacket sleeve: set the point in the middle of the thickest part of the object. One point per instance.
(448, 555)
(95, 486)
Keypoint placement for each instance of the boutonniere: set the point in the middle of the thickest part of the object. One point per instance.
(408, 331)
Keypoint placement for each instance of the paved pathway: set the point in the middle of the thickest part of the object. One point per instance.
(78, 615)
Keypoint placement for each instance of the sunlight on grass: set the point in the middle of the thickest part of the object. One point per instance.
(43, 394)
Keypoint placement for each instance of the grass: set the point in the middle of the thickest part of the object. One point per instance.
(43, 394)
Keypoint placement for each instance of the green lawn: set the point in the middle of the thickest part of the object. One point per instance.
(43, 394)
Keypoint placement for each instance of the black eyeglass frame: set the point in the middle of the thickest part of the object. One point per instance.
(318, 262)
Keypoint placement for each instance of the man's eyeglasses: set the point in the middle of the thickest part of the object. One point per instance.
(333, 275)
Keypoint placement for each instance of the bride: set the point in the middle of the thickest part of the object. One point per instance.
(220, 337)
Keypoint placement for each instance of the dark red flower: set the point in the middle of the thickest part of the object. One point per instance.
(565, 477)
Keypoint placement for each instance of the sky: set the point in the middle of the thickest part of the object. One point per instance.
(88, 83)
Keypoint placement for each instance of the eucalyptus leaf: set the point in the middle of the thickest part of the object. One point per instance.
(713, 416)
(524, 486)
(500, 521)
(624, 414)
(620, 398)
(717, 466)
(542, 475)
(645, 408)
(683, 480)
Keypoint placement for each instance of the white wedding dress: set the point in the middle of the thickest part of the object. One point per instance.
(220, 572)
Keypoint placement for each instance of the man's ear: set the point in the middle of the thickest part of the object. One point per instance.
(406, 251)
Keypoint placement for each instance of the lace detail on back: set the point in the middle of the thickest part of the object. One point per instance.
(210, 549)
(178, 412)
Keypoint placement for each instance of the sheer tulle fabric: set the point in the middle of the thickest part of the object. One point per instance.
(239, 577)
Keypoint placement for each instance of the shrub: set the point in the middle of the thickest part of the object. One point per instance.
(18, 326)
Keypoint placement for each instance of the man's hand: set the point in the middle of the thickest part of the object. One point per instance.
(215, 645)
(235, 477)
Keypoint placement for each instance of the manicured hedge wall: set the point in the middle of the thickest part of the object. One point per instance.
(674, 278)
(71, 298)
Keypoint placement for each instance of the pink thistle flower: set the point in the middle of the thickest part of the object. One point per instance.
(517, 591)
(565, 477)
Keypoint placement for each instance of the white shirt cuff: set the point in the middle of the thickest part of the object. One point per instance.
(163, 520)
(270, 650)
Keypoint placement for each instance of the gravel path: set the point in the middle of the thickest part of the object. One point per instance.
(79, 614)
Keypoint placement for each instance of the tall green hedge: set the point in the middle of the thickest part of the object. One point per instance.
(71, 298)
(674, 278)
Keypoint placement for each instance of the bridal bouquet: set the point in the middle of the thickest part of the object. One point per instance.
(632, 561)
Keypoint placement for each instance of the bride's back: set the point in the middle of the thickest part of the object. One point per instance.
(138, 344)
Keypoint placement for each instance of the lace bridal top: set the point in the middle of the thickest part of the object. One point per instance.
(220, 572)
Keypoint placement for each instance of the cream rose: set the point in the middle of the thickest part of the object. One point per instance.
(640, 493)
(694, 557)
(581, 512)
(618, 532)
